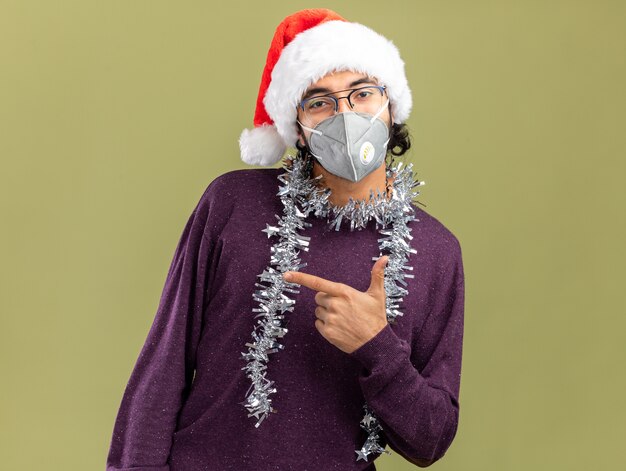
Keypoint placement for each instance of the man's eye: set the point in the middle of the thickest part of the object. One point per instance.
(317, 104)
(364, 94)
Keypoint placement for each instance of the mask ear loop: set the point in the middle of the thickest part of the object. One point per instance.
(382, 108)
(308, 128)
(315, 131)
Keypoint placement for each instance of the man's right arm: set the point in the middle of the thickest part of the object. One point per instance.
(163, 373)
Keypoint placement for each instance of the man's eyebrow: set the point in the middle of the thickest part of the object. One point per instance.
(322, 90)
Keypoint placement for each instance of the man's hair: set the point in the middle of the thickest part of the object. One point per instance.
(399, 142)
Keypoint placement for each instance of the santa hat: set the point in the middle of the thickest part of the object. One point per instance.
(307, 46)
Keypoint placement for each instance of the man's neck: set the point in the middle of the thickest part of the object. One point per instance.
(342, 190)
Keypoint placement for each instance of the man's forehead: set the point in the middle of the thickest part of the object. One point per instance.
(343, 76)
(332, 81)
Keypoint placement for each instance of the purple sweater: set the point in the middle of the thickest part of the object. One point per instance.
(182, 409)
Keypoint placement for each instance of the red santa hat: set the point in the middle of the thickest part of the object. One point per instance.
(307, 46)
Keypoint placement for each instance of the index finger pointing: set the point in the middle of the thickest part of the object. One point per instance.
(314, 282)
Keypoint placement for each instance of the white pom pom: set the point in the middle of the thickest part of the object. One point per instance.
(261, 145)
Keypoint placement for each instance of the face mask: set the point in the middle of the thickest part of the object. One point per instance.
(350, 145)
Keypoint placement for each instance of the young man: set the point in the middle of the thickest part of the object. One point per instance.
(272, 308)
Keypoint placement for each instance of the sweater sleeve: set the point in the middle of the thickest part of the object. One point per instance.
(164, 371)
(415, 394)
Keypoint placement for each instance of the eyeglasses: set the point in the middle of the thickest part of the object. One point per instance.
(367, 99)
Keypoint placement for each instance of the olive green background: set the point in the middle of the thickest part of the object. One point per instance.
(116, 115)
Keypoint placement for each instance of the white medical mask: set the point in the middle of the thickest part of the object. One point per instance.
(350, 145)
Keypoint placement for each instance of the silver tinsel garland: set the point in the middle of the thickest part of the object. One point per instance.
(301, 196)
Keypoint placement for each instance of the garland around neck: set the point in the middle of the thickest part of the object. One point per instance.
(301, 196)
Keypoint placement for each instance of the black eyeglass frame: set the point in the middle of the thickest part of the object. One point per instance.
(381, 88)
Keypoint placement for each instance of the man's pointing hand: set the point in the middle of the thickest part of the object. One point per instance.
(346, 317)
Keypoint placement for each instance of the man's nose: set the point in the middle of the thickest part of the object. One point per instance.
(343, 105)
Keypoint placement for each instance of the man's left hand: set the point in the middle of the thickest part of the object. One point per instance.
(346, 317)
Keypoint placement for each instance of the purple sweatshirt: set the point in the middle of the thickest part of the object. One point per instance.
(182, 409)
